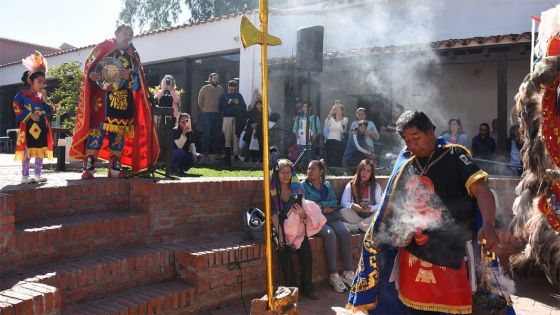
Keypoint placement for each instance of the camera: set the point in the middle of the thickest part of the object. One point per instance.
(297, 198)
(168, 81)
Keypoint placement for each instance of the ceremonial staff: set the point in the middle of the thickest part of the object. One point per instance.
(250, 35)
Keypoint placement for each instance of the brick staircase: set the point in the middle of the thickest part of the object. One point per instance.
(132, 247)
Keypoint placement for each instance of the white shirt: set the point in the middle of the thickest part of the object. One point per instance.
(336, 128)
(346, 201)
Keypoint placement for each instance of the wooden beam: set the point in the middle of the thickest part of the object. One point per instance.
(502, 103)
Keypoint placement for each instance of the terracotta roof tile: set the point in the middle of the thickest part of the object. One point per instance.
(443, 44)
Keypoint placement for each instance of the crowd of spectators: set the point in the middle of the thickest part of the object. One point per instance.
(321, 213)
(234, 128)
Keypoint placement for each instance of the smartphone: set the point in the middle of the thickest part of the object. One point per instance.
(297, 198)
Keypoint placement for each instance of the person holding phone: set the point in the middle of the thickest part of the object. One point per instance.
(319, 190)
(362, 196)
(334, 131)
(184, 152)
(168, 96)
(289, 212)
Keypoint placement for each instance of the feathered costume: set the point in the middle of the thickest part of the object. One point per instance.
(91, 112)
(36, 136)
(536, 223)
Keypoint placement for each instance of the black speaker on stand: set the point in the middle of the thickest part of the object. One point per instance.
(309, 53)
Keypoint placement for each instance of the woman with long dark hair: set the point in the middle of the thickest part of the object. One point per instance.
(253, 131)
(289, 212)
(361, 197)
(455, 133)
(320, 190)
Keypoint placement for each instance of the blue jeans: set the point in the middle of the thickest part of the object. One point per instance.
(182, 161)
(212, 128)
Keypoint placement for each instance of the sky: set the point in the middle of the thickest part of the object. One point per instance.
(76, 22)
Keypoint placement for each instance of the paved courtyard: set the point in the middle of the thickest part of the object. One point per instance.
(534, 296)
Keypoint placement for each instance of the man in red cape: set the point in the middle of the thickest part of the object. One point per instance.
(121, 112)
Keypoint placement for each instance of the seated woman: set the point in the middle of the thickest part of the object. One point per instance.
(319, 190)
(184, 155)
(361, 197)
(288, 216)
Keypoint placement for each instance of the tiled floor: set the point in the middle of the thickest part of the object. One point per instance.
(534, 297)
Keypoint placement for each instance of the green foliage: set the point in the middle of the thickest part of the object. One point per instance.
(206, 9)
(149, 15)
(67, 93)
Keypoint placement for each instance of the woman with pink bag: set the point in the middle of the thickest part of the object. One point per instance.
(295, 220)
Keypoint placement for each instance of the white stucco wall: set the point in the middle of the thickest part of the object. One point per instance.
(204, 39)
(347, 26)
(12, 74)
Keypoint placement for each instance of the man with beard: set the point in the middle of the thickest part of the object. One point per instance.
(208, 102)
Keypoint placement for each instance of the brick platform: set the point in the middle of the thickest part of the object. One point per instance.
(128, 246)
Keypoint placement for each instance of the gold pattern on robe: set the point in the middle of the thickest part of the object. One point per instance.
(118, 99)
(425, 273)
(39, 111)
(35, 131)
(17, 109)
(21, 137)
(124, 61)
(118, 139)
(98, 104)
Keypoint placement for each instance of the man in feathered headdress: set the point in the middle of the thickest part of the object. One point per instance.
(118, 108)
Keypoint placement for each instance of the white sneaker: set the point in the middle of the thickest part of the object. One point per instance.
(337, 283)
(39, 179)
(27, 180)
(348, 278)
(353, 228)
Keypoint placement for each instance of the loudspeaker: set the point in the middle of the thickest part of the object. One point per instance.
(309, 53)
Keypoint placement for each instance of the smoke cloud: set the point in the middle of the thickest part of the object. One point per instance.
(365, 34)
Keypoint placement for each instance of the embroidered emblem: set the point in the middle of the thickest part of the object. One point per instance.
(465, 159)
(118, 100)
(425, 273)
(35, 131)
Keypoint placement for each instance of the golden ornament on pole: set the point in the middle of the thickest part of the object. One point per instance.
(250, 35)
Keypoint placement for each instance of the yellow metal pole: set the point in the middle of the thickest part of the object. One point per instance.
(268, 227)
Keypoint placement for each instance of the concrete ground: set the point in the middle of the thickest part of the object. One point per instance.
(534, 296)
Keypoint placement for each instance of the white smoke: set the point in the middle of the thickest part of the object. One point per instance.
(406, 219)
(366, 34)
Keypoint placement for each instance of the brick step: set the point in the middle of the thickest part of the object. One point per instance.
(30, 298)
(55, 239)
(168, 297)
(93, 276)
(223, 268)
(78, 197)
